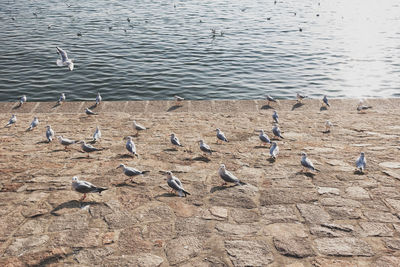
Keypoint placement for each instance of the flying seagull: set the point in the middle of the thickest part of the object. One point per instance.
(306, 163)
(49, 133)
(176, 184)
(175, 140)
(64, 60)
(361, 162)
(12, 120)
(227, 176)
(85, 187)
(221, 136)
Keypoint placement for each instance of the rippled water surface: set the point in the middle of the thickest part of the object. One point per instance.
(347, 48)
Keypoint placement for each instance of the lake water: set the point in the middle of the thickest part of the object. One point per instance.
(347, 48)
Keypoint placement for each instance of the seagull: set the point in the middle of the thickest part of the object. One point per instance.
(97, 134)
(264, 137)
(130, 146)
(274, 150)
(221, 136)
(306, 163)
(89, 112)
(178, 99)
(361, 162)
(277, 132)
(129, 171)
(300, 97)
(270, 99)
(128, 20)
(325, 100)
(204, 147)
(34, 123)
(227, 176)
(361, 107)
(176, 184)
(175, 140)
(61, 99)
(98, 98)
(275, 116)
(64, 61)
(49, 133)
(22, 100)
(88, 148)
(138, 127)
(12, 120)
(328, 126)
(65, 141)
(85, 187)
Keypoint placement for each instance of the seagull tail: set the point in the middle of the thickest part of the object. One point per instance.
(241, 183)
(143, 172)
(100, 189)
(281, 137)
(185, 192)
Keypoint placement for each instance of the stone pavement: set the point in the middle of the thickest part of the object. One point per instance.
(282, 217)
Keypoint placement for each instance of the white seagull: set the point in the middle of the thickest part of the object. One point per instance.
(274, 150)
(221, 136)
(85, 187)
(61, 99)
(97, 134)
(130, 146)
(49, 133)
(361, 162)
(34, 123)
(175, 140)
(64, 60)
(11, 121)
(227, 176)
(306, 163)
(98, 98)
(176, 185)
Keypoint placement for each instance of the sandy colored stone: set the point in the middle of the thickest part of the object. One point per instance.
(356, 192)
(375, 229)
(343, 246)
(293, 246)
(182, 249)
(279, 213)
(228, 229)
(390, 165)
(248, 253)
(328, 190)
(219, 212)
(313, 213)
(387, 261)
(379, 216)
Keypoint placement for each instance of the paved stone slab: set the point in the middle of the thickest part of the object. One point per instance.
(344, 246)
(248, 253)
(293, 247)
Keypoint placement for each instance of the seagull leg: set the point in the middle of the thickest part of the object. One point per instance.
(82, 198)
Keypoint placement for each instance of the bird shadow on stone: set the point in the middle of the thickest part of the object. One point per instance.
(326, 132)
(271, 160)
(202, 158)
(221, 187)
(58, 150)
(258, 147)
(72, 204)
(17, 106)
(297, 105)
(56, 105)
(267, 106)
(93, 106)
(125, 183)
(166, 195)
(170, 150)
(358, 172)
(322, 108)
(42, 142)
(308, 174)
(125, 156)
(174, 107)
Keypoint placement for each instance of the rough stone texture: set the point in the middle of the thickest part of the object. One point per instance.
(293, 246)
(248, 253)
(345, 246)
(282, 217)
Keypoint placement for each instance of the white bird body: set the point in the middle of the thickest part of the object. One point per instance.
(34, 123)
(85, 187)
(98, 98)
(221, 135)
(274, 150)
(275, 117)
(130, 146)
(325, 101)
(97, 134)
(276, 131)
(306, 163)
(89, 112)
(175, 140)
(64, 60)
(204, 147)
(227, 176)
(138, 127)
(12, 120)
(65, 141)
(22, 100)
(61, 99)
(361, 162)
(300, 97)
(49, 133)
(264, 137)
(328, 126)
(176, 184)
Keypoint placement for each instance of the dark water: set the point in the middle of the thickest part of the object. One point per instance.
(352, 49)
